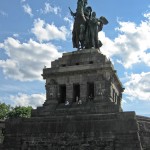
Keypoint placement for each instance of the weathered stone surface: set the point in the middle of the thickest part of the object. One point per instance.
(82, 110)
(115, 131)
(81, 74)
(144, 127)
(2, 127)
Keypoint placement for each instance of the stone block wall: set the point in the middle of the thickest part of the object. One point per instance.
(144, 131)
(2, 128)
(114, 131)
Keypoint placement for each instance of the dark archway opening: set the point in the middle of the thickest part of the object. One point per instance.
(76, 92)
(90, 90)
(62, 91)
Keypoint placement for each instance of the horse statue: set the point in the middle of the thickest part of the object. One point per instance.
(86, 27)
(80, 18)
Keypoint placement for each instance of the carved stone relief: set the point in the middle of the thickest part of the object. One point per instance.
(100, 89)
(52, 89)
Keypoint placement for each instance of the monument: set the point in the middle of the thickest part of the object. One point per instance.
(86, 26)
(82, 110)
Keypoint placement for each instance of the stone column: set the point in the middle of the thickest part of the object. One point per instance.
(83, 91)
(69, 92)
(119, 99)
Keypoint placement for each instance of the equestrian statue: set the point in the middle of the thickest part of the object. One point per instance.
(86, 27)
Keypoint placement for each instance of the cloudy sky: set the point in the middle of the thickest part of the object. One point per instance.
(33, 33)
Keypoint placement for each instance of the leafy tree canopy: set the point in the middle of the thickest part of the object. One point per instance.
(6, 111)
(20, 112)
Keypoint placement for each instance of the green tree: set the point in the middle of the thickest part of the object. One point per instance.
(20, 112)
(4, 110)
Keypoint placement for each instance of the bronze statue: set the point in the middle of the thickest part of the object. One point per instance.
(86, 27)
(96, 25)
(79, 22)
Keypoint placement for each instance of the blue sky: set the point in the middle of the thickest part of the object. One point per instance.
(34, 33)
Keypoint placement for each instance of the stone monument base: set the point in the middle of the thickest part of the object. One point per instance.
(82, 110)
(112, 131)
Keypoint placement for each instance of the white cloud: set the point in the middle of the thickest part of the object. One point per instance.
(50, 9)
(15, 35)
(23, 1)
(1, 45)
(147, 15)
(28, 10)
(132, 44)
(26, 60)
(70, 21)
(46, 32)
(137, 87)
(33, 100)
(108, 48)
(3, 13)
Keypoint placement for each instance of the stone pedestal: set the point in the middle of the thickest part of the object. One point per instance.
(86, 75)
(113, 131)
(92, 118)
